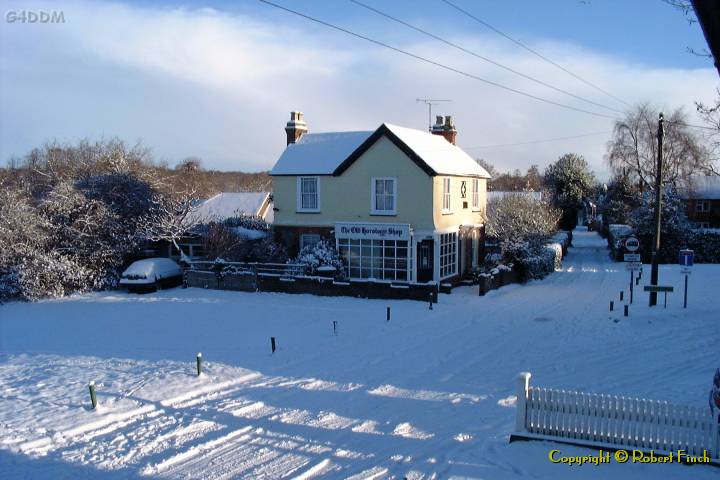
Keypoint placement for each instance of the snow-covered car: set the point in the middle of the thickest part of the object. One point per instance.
(151, 274)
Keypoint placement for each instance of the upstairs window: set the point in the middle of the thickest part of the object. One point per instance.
(383, 196)
(702, 206)
(475, 194)
(446, 196)
(308, 194)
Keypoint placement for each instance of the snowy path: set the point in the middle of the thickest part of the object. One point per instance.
(427, 395)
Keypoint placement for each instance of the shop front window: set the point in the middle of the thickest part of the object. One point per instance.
(377, 259)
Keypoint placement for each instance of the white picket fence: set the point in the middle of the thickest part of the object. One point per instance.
(612, 421)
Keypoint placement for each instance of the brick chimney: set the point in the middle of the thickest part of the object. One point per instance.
(446, 128)
(295, 128)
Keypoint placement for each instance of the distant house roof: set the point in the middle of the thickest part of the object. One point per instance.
(702, 187)
(332, 153)
(229, 204)
(497, 194)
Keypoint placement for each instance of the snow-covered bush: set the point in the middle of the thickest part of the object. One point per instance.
(674, 228)
(522, 227)
(242, 239)
(322, 254)
(248, 222)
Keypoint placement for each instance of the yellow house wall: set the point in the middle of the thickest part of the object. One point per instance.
(458, 215)
(346, 198)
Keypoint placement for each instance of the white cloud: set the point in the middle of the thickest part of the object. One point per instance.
(218, 85)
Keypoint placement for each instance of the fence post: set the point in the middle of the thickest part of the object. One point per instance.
(523, 385)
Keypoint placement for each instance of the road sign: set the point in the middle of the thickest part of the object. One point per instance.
(632, 244)
(686, 270)
(686, 258)
(631, 257)
(657, 288)
(633, 266)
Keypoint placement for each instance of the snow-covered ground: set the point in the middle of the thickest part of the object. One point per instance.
(428, 394)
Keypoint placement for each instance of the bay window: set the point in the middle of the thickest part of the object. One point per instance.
(448, 254)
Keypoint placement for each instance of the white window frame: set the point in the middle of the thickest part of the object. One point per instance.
(475, 194)
(448, 256)
(299, 207)
(702, 206)
(304, 242)
(446, 195)
(373, 187)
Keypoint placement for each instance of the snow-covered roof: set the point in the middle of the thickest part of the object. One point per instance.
(229, 204)
(498, 194)
(326, 153)
(318, 153)
(703, 187)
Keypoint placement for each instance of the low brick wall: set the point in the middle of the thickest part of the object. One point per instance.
(493, 282)
(237, 282)
(321, 286)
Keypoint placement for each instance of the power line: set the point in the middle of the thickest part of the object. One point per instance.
(690, 125)
(433, 62)
(534, 52)
(477, 55)
(532, 142)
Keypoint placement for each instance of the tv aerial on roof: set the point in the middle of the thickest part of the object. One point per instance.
(430, 102)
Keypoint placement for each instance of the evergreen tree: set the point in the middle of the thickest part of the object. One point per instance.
(570, 180)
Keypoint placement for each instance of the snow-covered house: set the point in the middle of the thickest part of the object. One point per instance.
(216, 209)
(702, 199)
(230, 204)
(401, 205)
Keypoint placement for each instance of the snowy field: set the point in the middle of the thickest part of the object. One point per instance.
(427, 395)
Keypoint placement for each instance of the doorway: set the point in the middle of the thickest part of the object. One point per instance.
(425, 261)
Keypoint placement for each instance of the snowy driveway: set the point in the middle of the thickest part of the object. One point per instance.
(428, 394)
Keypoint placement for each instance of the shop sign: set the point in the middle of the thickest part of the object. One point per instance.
(373, 231)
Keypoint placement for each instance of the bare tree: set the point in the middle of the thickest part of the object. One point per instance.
(710, 115)
(171, 219)
(633, 148)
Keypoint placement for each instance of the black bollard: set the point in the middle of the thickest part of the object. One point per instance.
(93, 396)
(272, 344)
(198, 361)
(388, 314)
(626, 311)
(612, 305)
(622, 295)
(334, 327)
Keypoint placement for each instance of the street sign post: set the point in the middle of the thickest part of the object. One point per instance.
(659, 288)
(633, 266)
(686, 259)
(632, 245)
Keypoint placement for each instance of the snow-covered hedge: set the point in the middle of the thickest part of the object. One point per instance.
(243, 238)
(705, 244)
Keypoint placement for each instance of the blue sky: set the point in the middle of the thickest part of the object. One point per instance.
(217, 79)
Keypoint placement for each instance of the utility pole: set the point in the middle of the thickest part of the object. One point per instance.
(430, 102)
(658, 210)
